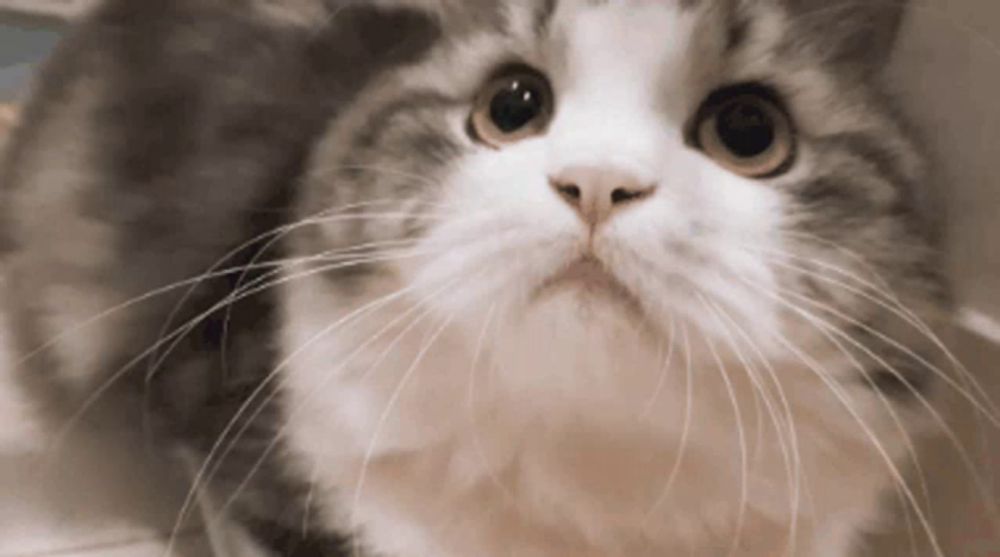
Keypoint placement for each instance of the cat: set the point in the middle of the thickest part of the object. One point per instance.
(440, 278)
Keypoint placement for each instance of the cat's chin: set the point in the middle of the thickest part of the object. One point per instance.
(587, 280)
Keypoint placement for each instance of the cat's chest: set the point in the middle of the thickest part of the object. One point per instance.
(574, 443)
(444, 463)
(535, 489)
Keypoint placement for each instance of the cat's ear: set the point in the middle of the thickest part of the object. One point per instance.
(855, 33)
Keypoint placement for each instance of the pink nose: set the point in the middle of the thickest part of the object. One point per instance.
(597, 193)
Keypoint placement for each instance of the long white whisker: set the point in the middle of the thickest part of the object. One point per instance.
(876, 443)
(685, 432)
(844, 399)
(384, 418)
(831, 333)
(919, 323)
(157, 361)
(358, 251)
(787, 436)
(911, 449)
(234, 496)
(661, 383)
(342, 364)
(271, 264)
(986, 406)
(793, 435)
(204, 474)
(950, 433)
(741, 434)
(878, 283)
(60, 436)
(471, 407)
(265, 282)
(368, 246)
(273, 236)
(326, 380)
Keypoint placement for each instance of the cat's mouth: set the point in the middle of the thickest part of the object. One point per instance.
(589, 277)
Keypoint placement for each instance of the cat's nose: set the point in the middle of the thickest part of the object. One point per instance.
(598, 193)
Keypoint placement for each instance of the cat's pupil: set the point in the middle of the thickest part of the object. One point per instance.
(745, 129)
(516, 106)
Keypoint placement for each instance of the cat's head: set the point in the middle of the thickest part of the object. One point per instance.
(713, 163)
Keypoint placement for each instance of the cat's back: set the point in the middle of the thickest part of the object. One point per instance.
(160, 138)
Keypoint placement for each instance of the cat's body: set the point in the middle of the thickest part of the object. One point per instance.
(560, 323)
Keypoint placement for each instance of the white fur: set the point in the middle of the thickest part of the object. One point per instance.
(493, 418)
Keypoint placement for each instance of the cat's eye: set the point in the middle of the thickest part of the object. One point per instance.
(516, 104)
(746, 130)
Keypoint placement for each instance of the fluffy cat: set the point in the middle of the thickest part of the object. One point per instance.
(524, 277)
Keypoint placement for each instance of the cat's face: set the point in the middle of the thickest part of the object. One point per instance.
(669, 162)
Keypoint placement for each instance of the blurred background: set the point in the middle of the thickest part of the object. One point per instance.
(947, 71)
(24, 42)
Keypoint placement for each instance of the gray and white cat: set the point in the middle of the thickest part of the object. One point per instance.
(458, 278)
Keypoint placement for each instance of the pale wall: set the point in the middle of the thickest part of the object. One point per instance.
(949, 68)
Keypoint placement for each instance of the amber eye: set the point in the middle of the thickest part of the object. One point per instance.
(746, 130)
(514, 105)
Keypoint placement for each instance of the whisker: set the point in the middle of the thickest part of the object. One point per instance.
(911, 449)
(986, 406)
(866, 429)
(862, 261)
(844, 399)
(276, 269)
(828, 331)
(117, 375)
(342, 364)
(471, 407)
(888, 340)
(384, 419)
(952, 436)
(968, 379)
(685, 432)
(741, 434)
(273, 444)
(156, 361)
(314, 476)
(162, 290)
(278, 234)
(787, 435)
(825, 328)
(264, 282)
(661, 383)
(207, 471)
(881, 293)
(223, 346)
